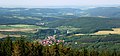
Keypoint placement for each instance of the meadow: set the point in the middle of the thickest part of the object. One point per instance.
(6, 30)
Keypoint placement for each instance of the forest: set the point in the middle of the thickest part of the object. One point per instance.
(22, 47)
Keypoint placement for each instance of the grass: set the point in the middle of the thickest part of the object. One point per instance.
(17, 26)
(21, 27)
(1, 35)
(69, 28)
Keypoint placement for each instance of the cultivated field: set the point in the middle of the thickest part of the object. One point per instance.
(18, 28)
(115, 31)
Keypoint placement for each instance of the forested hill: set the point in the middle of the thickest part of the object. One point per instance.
(104, 11)
(35, 15)
(88, 23)
(38, 11)
(38, 15)
(89, 20)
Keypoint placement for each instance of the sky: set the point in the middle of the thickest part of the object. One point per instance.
(45, 3)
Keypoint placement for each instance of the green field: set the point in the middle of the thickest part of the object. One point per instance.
(18, 30)
(18, 26)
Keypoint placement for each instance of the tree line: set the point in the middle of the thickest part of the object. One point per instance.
(22, 47)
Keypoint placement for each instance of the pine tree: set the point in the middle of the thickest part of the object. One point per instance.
(93, 53)
(104, 53)
(114, 53)
(8, 46)
(84, 52)
(16, 50)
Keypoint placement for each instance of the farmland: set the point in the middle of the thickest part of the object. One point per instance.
(115, 31)
(6, 29)
(78, 28)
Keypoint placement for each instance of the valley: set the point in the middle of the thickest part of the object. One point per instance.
(59, 27)
(78, 28)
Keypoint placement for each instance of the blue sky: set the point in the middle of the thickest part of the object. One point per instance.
(44, 3)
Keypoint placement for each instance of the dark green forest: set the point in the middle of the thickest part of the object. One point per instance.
(22, 47)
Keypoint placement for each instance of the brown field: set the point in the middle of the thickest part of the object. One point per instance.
(115, 31)
(3, 36)
(15, 30)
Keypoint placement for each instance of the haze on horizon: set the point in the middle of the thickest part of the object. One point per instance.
(57, 3)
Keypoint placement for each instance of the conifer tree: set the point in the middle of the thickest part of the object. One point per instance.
(16, 50)
(8, 46)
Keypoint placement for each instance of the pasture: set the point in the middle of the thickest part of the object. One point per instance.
(18, 28)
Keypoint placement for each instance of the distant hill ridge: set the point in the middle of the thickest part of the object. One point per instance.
(88, 24)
